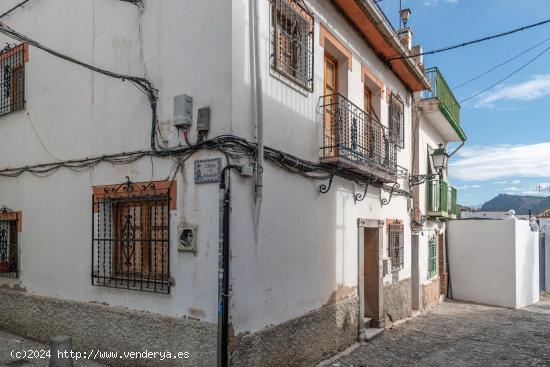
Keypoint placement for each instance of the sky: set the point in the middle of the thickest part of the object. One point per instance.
(508, 127)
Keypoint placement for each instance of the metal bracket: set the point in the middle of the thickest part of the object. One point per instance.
(361, 197)
(323, 189)
(420, 179)
(386, 201)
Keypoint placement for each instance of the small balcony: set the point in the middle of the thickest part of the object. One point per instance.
(357, 140)
(441, 99)
(442, 200)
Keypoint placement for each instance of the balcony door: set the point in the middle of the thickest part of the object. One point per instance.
(330, 115)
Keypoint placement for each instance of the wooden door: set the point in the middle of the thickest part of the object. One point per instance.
(368, 144)
(330, 118)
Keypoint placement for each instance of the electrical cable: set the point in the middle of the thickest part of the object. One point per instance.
(448, 48)
(231, 146)
(13, 9)
(507, 76)
(523, 66)
(142, 84)
(501, 64)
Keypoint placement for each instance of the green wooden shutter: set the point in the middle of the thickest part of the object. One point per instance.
(432, 258)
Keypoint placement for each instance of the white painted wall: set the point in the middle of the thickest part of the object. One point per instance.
(307, 242)
(494, 262)
(75, 113)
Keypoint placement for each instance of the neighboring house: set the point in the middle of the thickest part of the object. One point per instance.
(477, 214)
(437, 123)
(121, 234)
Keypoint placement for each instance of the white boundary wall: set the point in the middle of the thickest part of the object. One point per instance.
(494, 262)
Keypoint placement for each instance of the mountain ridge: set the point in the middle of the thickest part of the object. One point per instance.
(521, 204)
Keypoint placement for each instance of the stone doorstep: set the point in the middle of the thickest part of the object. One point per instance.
(371, 333)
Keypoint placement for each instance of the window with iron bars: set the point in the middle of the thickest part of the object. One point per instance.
(131, 237)
(397, 120)
(12, 78)
(9, 251)
(432, 258)
(292, 41)
(396, 245)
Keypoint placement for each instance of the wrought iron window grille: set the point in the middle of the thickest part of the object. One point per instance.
(9, 248)
(131, 237)
(396, 245)
(292, 41)
(12, 78)
(397, 120)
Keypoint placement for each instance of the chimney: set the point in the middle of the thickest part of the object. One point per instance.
(406, 37)
(417, 50)
(405, 33)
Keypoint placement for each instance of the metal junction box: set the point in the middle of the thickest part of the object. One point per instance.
(183, 111)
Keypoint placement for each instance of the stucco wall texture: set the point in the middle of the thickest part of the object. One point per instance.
(107, 328)
(398, 301)
(302, 341)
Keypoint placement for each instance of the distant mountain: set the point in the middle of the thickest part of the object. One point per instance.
(521, 204)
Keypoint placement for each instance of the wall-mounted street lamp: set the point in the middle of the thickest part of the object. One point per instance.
(439, 161)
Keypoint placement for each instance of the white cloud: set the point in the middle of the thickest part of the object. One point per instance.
(538, 86)
(503, 182)
(516, 182)
(475, 186)
(496, 162)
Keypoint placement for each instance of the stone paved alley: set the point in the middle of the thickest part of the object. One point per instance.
(461, 334)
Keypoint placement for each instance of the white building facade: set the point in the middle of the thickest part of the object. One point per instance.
(117, 121)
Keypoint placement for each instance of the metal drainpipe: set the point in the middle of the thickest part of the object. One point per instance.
(223, 268)
(257, 110)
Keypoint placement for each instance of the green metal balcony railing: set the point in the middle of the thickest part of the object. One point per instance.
(442, 199)
(448, 104)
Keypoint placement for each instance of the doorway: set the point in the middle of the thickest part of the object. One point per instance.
(330, 119)
(371, 297)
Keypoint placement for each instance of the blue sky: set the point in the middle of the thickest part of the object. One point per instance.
(508, 128)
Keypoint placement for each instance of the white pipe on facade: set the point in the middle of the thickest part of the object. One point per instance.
(257, 110)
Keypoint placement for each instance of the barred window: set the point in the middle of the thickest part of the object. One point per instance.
(396, 245)
(292, 41)
(12, 78)
(397, 120)
(9, 251)
(131, 236)
(432, 258)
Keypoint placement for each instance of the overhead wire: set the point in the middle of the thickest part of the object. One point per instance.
(501, 64)
(448, 48)
(140, 83)
(8, 12)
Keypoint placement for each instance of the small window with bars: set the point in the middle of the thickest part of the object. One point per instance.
(12, 78)
(9, 239)
(292, 41)
(131, 236)
(396, 251)
(432, 258)
(397, 120)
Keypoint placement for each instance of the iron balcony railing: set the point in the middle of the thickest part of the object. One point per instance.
(442, 199)
(440, 90)
(351, 134)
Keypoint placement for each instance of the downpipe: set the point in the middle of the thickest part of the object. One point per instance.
(223, 267)
(257, 111)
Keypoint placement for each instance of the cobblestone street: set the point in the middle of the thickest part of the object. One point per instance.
(11, 344)
(461, 334)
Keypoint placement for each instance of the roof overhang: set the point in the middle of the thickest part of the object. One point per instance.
(372, 24)
(449, 130)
